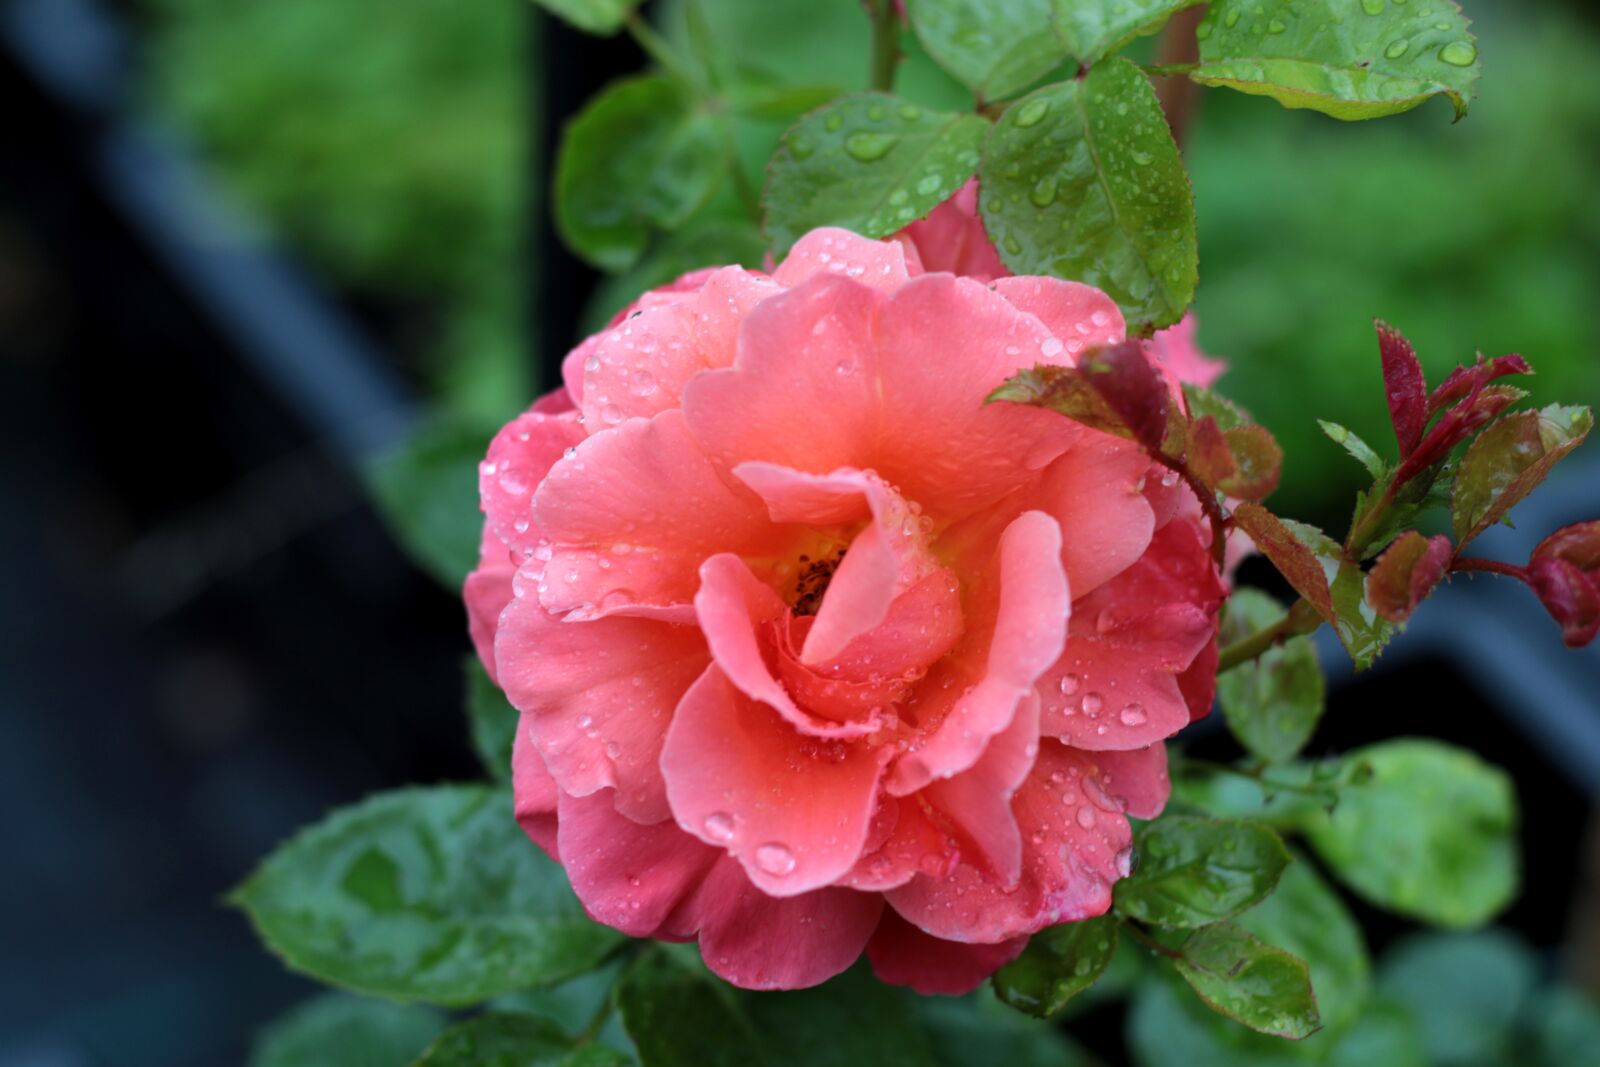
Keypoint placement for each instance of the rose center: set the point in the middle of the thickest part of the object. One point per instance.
(812, 581)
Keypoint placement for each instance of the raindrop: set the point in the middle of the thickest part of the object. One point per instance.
(1232, 18)
(1092, 703)
(1373, 7)
(512, 483)
(1044, 191)
(1396, 49)
(1132, 715)
(801, 147)
(1050, 346)
(1031, 113)
(1069, 684)
(1458, 54)
(1086, 817)
(610, 415)
(1276, 26)
(719, 826)
(833, 121)
(775, 858)
(867, 147)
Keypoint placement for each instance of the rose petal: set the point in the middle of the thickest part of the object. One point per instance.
(598, 696)
(830, 251)
(793, 810)
(535, 791)
(754, 940)
(629, 876)
(519, 457)
(1076, 846)
(903, 955)
(1017, 620)
(1080, 316)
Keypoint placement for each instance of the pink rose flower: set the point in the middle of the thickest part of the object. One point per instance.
(816, 652)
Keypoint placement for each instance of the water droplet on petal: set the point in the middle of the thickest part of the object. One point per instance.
(719, 826)
(1132, 715)
(1085, 817)
(775, 858)
(1069, 684)
(1092, 703)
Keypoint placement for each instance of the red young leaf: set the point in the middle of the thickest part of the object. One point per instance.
(1114, 389)
(1578, 544)
(1124, 376)
(1464, 380)
(1294, 560)
(1570, 596)
(1208, 455)
(1508, 461)
(1258, 463)
(1406, 388)
(1406, 573)
(1459, 423)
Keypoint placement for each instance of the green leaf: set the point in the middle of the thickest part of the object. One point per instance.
(501, 1039)
(1249, 981)
(643, 156)
(993, 47)
(1082, 180)
(492, 718)
(1273, 703)
(426, 490)
(1202, 402)
(1358, 448)
(776, 102)
(575, 1003)
(1306, 917)
(340, 1030)
(1058, 964)
(1363, 632)
(1431, 834)
(1466, 992)
(1508, 461)
(1200, 789)
(1193, 872)
(1091, 29)
(422, 894)
(1351, 59)
(869, 163)
(603, 17)
(677, 1012)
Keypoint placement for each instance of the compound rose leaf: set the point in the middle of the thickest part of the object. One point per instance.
(993, 47)
(1273, 703)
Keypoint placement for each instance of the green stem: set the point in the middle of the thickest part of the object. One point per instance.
(885, 43)
(1301, 619)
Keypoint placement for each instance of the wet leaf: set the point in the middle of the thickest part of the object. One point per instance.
(1272, 704)
(1406, 573)
(1091, 29)
(1431, 834)
(870, 163)
(1058, 964)
(1352, 59)
(1193, 871)
(422, 894)
(1306, 917)
(1082, 180)
(502, 1039)
(341, 1030)
(993, 47)
(1508, 461)
(1251, 982)
(643, 156)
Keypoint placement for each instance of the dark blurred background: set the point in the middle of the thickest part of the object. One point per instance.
(249, 248)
